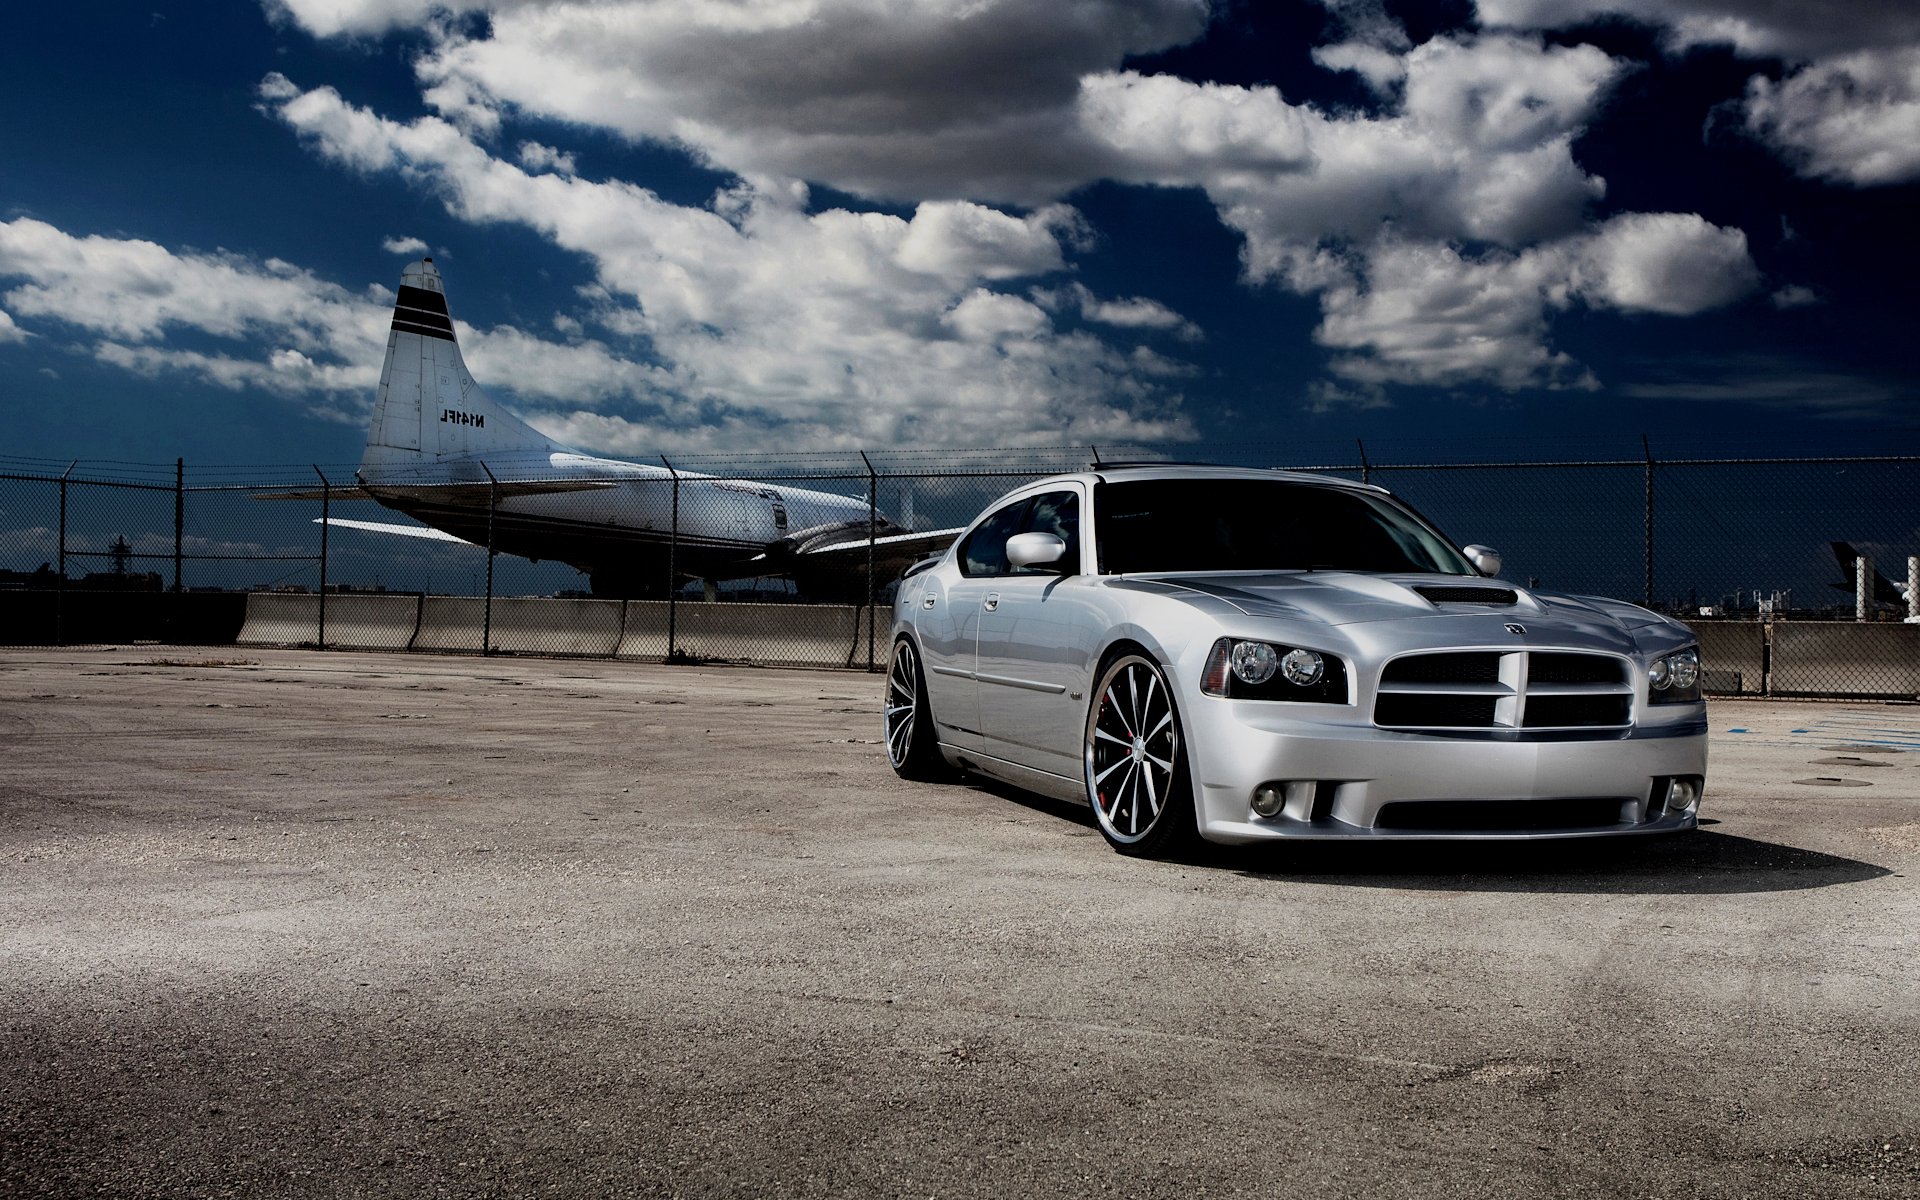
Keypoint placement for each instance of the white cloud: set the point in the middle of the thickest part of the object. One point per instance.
(291, 333)
(1850, 114)
(1675, 264)
(755, 305)
(985, 316)
(1131, 312)
(1480, 148)
(1440, 235)
(9, 332)
(408, 246)
(1164, 129)
(1772, 382)
(1422, 313)
(1854, 119)
(901, 99)
(537, 157)
(866, 323)
(326, 18)
(138, 291)
(958, 241)
(1769, 28)
(1382, 69)
(282, 371)
(1794, 296)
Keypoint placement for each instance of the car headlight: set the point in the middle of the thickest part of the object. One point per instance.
(1240, 669)
(1675, 678)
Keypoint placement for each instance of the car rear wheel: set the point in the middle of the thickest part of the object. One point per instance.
(1136, 761)
(912, 746)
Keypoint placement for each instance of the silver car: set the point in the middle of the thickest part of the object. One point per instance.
(1246, 655)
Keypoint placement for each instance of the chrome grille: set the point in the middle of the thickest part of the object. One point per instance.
(1510, 689)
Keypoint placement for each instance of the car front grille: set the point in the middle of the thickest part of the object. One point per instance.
(1512, 689)
(1491, 816)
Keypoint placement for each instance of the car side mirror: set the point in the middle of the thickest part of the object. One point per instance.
(1035, 549)
(1485, 559)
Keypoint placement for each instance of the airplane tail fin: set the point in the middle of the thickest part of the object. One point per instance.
(429, 411)
(1885, 591)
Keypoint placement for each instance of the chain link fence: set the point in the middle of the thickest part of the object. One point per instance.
(788, 560)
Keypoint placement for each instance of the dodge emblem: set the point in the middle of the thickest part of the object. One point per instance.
(1516, 629)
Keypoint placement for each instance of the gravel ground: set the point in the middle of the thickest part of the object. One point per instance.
(285, 923)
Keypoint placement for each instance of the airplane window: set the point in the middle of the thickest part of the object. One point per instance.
(985, 550)
(1057, 513)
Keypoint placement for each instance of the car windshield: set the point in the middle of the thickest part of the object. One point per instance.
(1257, 524)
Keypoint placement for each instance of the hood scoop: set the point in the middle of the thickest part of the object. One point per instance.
(1441, 594)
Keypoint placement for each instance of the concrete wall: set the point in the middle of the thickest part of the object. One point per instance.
(354, 621)
(556, 627)
(821, 635)
(1845, 658)
(359, 622)
(1733, 655)
(278, 619)
(1808, 658)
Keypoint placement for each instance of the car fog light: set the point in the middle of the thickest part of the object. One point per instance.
(1682, 795)
(1268, 799)
(1254, 662)
(1303, 668)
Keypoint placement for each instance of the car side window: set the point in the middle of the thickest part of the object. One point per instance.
(985, 550)
(1057, 513)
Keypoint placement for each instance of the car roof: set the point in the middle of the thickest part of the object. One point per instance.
(1137, 471)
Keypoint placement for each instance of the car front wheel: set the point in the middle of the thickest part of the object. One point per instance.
(1136, 761)
(912, 746)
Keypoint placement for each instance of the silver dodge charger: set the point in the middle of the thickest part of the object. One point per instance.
(1243, 655)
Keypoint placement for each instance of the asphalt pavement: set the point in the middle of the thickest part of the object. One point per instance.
(287, 923)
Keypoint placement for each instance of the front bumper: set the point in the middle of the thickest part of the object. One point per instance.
(1353, 780)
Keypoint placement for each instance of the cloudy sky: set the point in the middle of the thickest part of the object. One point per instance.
(684, 226)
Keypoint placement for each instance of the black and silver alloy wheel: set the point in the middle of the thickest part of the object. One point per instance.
(1136, 769)
(912, 747)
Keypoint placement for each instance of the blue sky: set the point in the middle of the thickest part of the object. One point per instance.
(1510, 228)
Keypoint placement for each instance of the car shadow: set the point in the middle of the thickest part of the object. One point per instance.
(1699, 863)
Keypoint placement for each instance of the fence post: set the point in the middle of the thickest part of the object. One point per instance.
(326, 504)
(673, 549)
(1862, 588)
(873, 529)
(179, 516)
(60, 585)
(486, 619)
(1913, 589)
(1647, 447)
(1366, 468)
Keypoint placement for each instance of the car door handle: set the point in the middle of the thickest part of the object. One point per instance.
(992, 602)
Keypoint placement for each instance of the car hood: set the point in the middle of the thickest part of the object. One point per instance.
(1351, 598)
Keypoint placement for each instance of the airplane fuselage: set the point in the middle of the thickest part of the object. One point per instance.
(442, 451)
(632, 524)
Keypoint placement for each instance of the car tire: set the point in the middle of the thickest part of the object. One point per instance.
(1136, 761)
(907, 720)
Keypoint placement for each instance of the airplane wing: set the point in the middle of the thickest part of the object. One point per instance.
(846, 554)
(907, 547)
(414, 531)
